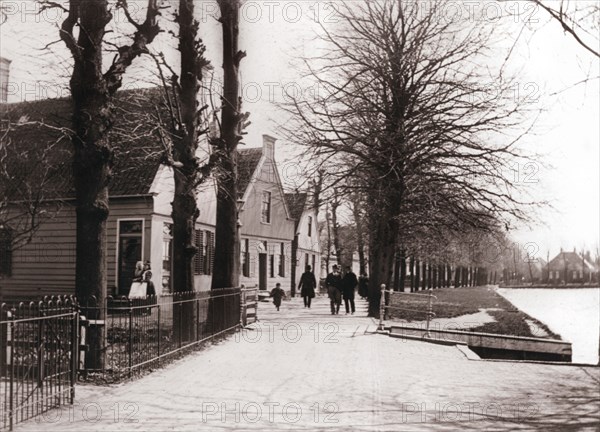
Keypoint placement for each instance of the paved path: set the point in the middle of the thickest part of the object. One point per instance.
(308, 370)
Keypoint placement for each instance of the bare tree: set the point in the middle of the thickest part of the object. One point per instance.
(227, 238)
(93, 90)
(27, 176)
(579, 19)
(404, 103)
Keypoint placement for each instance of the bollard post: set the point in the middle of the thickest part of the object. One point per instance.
(381, 306)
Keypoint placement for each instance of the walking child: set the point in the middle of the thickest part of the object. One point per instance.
(277, 293)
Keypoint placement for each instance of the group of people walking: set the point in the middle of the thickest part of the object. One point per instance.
(343, 287)
(338, 287)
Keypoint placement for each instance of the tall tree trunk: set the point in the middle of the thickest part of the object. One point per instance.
(335, 203)
(417, 274)
(185, 210)
(227, 236)
(456, 276)
(402, 270)
(360, 241)
(412, 273)
(381, 261)
(92, 92)
(328, 254)
(397, 259)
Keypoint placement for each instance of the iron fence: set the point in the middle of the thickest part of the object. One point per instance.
(137, 334)
(38, 359)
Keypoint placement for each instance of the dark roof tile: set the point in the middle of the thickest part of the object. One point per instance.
(248, 160)
(136, 158)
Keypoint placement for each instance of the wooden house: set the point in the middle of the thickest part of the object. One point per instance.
(139, 223)
(306, 246)
(267, 228)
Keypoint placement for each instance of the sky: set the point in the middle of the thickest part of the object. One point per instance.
(275, 34)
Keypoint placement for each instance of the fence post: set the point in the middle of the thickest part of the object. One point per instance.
(256, 300)
(242, 304)
(10, 339)
(158, 329)
(130, 345)
(381, 306)
(74, 351)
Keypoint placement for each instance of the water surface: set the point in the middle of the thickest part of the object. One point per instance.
(573, 313)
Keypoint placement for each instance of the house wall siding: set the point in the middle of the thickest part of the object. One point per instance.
(273, 248)
(280, 227)
(46, 266)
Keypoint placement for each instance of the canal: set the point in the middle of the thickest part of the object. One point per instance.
(573, 313)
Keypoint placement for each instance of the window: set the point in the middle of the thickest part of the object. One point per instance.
(314, 262)
(272, 265)
(245, 257)
(199, 257)
(265, 215)
(306, 260)
(5, 252)
(282, 260)
(310, 226)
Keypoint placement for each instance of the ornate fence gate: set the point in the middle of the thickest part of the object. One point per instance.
(38, 360)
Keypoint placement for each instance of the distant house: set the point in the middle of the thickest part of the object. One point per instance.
(139, 224)
(267, 228)
(306, 247)
(570, 267)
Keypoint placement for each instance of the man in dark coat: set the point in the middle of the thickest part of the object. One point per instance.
(307, 286)
(349, 283)
(333, 282)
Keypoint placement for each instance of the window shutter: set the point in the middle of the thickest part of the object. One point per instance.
(210, 242)
(198, 258)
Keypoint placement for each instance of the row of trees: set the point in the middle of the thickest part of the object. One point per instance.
(182, 123)
(405, 123)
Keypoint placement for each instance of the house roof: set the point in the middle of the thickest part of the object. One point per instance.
(45, 123)
(248, 160)
(571, 260)
(296, 203)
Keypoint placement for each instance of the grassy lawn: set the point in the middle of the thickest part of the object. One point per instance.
(455, 302)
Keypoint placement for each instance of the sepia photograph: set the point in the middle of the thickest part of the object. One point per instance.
(299, 215)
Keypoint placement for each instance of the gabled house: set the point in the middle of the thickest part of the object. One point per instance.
(139, 223)
(570, 267)
(267, 227)
(306, 246)
(139, 226)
